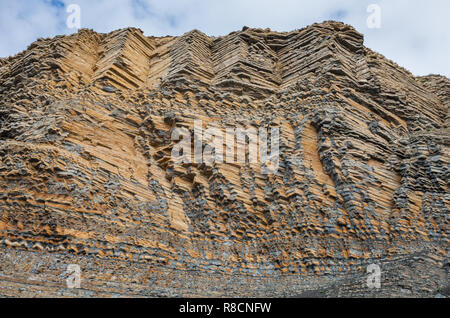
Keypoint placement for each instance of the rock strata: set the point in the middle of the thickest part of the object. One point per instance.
(87, 176)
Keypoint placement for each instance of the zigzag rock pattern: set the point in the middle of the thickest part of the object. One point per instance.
(87, 177)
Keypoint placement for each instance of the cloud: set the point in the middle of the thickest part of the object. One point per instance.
(413, 33)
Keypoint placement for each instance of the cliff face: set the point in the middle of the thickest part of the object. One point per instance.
(87, 177)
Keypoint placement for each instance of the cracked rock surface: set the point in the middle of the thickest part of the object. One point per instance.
(87, 177)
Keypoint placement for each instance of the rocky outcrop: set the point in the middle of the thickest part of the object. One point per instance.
(87, 176)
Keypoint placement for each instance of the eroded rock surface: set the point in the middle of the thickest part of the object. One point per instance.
(87, 177)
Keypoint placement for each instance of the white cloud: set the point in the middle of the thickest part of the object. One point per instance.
(415, 34)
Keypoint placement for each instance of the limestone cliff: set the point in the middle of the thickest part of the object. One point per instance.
(87, 177)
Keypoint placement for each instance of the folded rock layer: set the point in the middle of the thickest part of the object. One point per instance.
(87, 176)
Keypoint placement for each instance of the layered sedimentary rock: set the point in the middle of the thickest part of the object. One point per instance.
(87, 176)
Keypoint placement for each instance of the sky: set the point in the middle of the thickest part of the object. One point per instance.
(413, 33)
